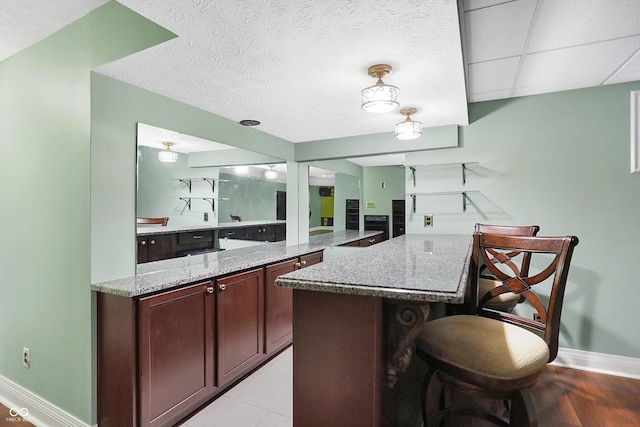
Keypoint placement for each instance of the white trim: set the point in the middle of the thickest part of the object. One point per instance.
(42, 413)
(635, 131)
(610, 364)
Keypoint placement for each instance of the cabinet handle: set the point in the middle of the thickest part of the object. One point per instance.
(222, 286)
(372, 241)
(153, 242)
(298, 265)
(210, 289)
(143, 242)
(197, 237)
(303, 262)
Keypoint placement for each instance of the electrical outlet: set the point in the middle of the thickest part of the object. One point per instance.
(206, 216)
(371, 205)
(428, 220)
(26, 357)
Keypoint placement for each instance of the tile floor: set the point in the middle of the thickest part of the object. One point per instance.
(264, 399)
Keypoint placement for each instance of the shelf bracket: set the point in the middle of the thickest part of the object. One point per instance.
(413, 174)
(211, 202)
(186, 182)
(413, 203)
(464, 174)
(211, 182)
(464, 201)
(187, 200)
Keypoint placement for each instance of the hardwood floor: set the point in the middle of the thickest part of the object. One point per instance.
(563, 398)
(571, 397)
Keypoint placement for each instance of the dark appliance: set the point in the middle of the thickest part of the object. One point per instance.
(397, 213)
(353, 214)
(377, 223)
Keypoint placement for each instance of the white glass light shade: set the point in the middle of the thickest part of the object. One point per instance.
(270, 174)
(241, 170)
(167, 156)
(380, 98)
(408, 129)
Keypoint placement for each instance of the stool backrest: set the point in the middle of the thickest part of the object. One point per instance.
(496, 252)
(509, 230)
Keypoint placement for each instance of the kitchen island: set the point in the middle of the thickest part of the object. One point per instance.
(355, 320)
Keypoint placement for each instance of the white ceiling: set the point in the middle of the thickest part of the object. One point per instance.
(298, 66)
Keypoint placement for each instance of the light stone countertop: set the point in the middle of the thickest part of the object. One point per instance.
(418, 267)
(171, 273)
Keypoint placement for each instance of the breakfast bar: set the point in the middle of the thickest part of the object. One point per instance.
(355, 319)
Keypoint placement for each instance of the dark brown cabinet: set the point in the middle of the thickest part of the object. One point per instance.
(365, 242)
(162, 356)
(278, 307)
(240, 322)
(155, 247)
(279, 302)
(176, 353)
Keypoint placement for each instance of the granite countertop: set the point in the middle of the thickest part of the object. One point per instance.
(167, 229)
(419, 267)
(166, 274)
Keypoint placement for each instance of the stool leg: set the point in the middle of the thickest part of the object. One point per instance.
(523, 412)
(431, 401)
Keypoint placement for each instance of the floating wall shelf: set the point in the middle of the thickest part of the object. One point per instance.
(465, 168)
(211, 181)
(464, 194)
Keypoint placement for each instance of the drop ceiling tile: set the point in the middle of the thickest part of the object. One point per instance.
(498, 31)
(591, 62)
(576, 22)
(556, 86)
(492, 76)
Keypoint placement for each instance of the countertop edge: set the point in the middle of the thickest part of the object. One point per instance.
(126, 287)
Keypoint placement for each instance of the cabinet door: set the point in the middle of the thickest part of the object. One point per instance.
(240, 322)
(311, 259)
(176, 353)
(155, 247)
(278, 307)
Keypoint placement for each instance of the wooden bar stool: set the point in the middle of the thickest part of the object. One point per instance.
(497, 354)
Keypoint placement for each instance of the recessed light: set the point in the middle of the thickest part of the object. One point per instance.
(249, 122)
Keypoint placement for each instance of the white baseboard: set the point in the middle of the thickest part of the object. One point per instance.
(41, 412)
(598, 362)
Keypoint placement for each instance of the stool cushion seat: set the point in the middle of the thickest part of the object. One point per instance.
(504, 301)
(484, 347)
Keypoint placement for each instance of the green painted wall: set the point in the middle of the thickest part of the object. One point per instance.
(315, 205)
(561, 161)
(250, 198)
(45, 129)
(394, 188)
(160, 189)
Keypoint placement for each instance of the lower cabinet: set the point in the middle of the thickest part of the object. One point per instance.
(240, 322)
(279, 302)
(176, 353)
(155, 247)
(365, 242)
(163, 356)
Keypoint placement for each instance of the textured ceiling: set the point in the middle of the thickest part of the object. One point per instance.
(298, 65)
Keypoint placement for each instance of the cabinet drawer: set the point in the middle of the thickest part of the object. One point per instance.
(195, 237)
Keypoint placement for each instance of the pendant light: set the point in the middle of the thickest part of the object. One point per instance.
(167, 155)
(381, 97)
(408, 129)
(270, 174)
